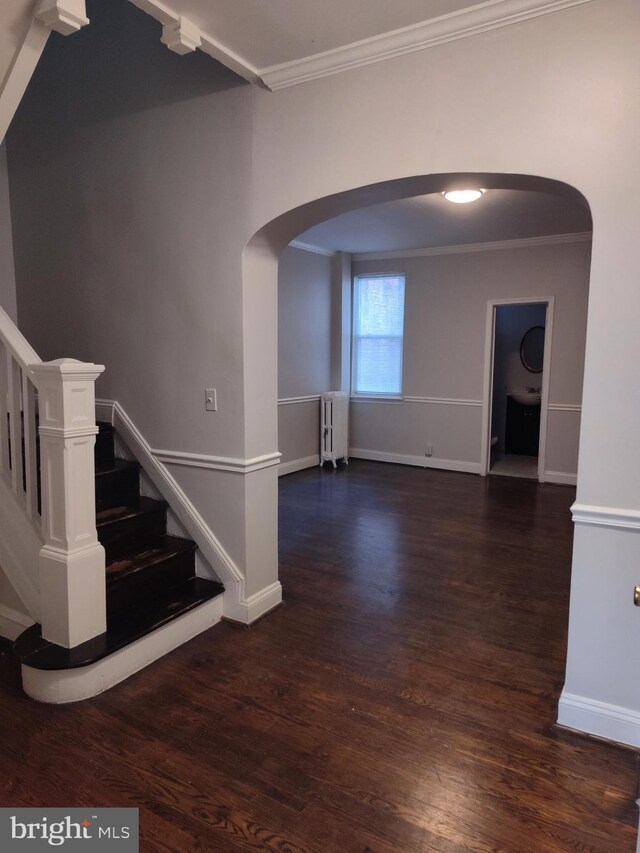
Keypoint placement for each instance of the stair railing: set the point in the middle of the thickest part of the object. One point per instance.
(47, 437)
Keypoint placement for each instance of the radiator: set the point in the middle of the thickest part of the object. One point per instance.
(334, 427)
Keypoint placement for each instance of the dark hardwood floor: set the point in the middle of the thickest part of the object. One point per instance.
(403, 699)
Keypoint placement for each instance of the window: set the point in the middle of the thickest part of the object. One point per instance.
(378, 323)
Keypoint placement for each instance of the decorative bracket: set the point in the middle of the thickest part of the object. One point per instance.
(181, 36)
(63, 16)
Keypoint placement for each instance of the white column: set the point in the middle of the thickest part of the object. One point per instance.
(72, 561)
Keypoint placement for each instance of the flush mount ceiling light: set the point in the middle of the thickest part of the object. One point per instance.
(463, 196)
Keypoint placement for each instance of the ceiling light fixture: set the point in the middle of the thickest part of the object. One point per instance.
(463, 196)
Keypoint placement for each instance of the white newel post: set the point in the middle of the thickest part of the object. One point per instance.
(72, 561)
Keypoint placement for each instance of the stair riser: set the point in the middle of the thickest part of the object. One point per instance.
(104, 450)
(118, 488)
(132, 534)
(139, 588)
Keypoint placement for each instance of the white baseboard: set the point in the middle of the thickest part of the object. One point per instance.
(417, 461)
(612, 722)
(298, 464)
(562, 478)
(13, 623)
(72, 685)
(255, 606)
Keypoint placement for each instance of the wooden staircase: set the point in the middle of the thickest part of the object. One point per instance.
(150, 575)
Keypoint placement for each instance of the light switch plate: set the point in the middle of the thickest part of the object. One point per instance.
(210, 400)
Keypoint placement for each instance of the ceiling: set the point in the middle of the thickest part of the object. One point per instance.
(279, 43)
(269, 33)
(430, 221)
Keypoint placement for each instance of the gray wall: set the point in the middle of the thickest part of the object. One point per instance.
(130, 185)
(445, 328)
(7, 272)
(304, 348)
(219, 170)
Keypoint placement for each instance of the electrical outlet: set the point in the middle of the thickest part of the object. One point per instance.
(210, 400)
(429, 450)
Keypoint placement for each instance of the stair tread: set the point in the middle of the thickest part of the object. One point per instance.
(123, 628)
(167, 547)
(118, 513)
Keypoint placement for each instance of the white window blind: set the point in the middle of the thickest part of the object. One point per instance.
(378, 327)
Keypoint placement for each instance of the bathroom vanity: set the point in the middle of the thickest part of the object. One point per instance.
(522, 433)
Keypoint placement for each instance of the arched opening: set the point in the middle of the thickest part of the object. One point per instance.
(467, 536)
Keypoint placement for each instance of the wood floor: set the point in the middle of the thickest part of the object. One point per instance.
(402, 700)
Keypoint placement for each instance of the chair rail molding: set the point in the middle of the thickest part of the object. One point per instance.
(290, 401)
(605, 516)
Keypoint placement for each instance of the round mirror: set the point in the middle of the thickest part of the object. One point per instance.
(532, 349)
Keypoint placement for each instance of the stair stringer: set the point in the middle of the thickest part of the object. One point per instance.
(236, 605)
(20, 547)
(61, 686)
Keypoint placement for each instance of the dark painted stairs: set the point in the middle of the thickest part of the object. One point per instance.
(151, 577)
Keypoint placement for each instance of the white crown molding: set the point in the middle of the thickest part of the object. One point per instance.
(605, 516)
(182, 36)
(463, 248)
(289, 401)
(308, 247)
(63, 16)
(464, 23)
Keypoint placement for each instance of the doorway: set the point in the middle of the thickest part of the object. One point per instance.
(515, 401)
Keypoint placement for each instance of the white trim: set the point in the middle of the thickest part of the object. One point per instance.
(236, 605)
(487, 401)
(465, 248)
(605, 516)
(235, 465)
(169, 18)
(308, 247)
(289, 401)
(562, 478)
(298, 464)
(63, 16)
(20, 72)
(217, 463)
(260, 603)
(72, 685)
(444, 401)
(417, 461)
(471, 21)
(612, 722)
(565, 407)
(12, 622)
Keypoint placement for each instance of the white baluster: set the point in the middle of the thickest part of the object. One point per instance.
(72, 562)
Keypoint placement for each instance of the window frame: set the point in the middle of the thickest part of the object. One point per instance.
(375, 395)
